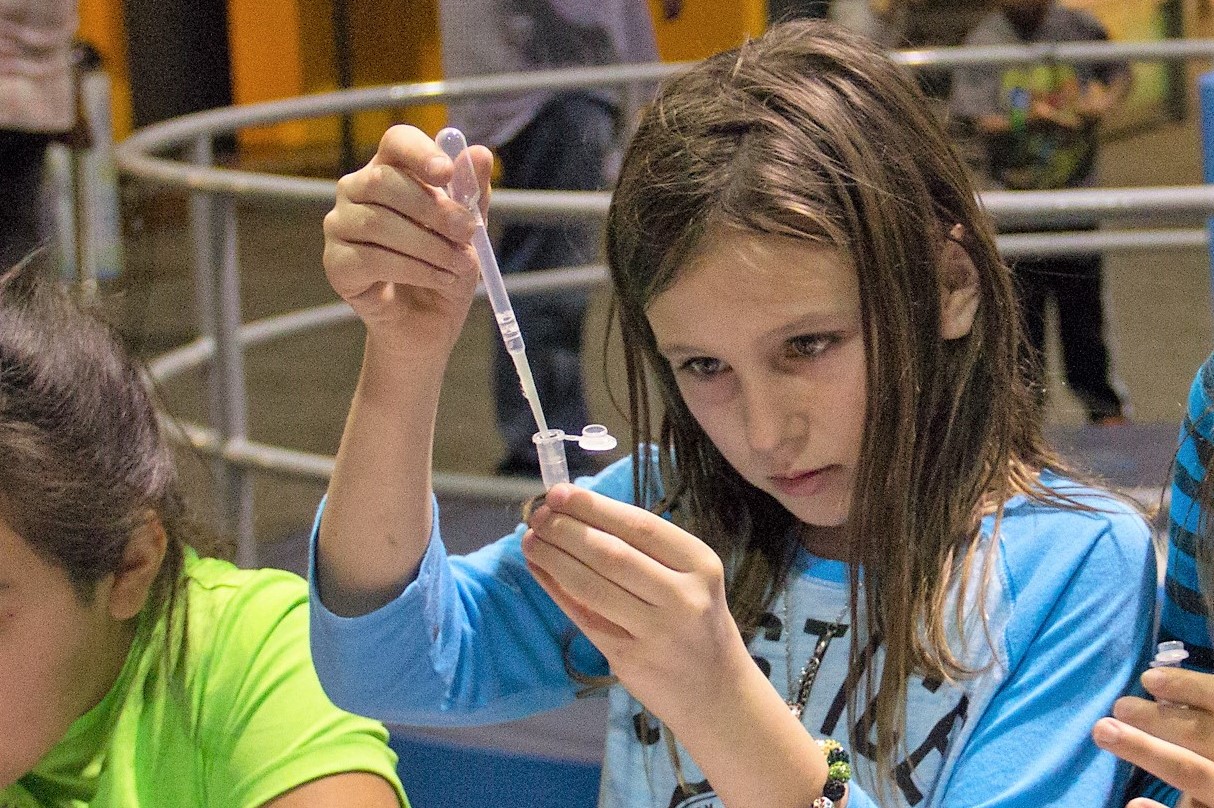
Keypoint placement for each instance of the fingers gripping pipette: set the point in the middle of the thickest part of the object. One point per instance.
(549, 443)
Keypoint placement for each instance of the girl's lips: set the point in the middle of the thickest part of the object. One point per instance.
(804, 484)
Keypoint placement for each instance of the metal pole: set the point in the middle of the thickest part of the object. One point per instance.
(60, 191)
(100, 225)
(202, 229)
(236, 500)
(217, 303)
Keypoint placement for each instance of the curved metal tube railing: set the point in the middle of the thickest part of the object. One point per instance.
(215, 191)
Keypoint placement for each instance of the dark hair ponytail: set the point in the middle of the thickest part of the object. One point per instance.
(83, 463)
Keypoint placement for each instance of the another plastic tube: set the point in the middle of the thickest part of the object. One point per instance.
(1169, 654)
(554, 466)
(550, 446)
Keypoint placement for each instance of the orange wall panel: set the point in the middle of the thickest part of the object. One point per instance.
(391, 41)
(396, 41)
(268, 60)
(704, 28)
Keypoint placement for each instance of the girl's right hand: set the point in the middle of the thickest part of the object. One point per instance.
(1172, 738)
(651, 597)
(398, 250)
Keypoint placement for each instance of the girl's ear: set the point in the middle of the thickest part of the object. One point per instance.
(141, 562)
(959, 293)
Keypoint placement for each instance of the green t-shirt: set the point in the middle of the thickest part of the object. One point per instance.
(240, 719)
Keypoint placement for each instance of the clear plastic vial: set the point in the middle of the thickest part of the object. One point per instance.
(550, 447)
(1169, 654)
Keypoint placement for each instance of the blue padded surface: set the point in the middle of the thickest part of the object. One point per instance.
(438, 774)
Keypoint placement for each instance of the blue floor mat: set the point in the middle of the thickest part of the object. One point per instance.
(441, 775)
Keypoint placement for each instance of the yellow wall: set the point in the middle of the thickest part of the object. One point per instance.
(1199, 18)
(397, 44)
(267, 53)
(1124, 20)
(392, 41)
(704, 27)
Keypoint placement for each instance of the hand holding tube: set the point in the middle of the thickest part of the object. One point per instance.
(1171, 737)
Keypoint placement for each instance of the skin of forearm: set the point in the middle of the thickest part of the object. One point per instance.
(751, 748)
(377, 517)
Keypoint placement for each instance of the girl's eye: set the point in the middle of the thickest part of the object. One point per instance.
(702, 366)
(810, 345)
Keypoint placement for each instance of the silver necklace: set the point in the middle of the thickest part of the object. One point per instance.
(798, 697)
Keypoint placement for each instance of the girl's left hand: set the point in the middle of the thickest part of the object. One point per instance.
(1172, 738)
(649, 595)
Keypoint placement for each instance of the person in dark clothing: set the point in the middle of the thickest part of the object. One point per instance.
(1038, 124)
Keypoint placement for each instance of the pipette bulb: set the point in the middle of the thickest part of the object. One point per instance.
(465, 188)
(451, 141)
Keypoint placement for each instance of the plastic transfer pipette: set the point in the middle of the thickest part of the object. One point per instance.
(466, 190)
(549, 443)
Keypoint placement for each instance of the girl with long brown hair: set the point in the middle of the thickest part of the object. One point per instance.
(840, 521)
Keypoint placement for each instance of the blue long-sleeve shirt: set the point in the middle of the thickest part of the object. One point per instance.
(474, 639)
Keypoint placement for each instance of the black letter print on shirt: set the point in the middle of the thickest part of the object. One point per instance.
(817, 628)
(771, 627)
(647, 730)
(937, 739)
(695, 795)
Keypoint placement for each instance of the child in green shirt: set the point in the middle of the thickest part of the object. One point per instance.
(135, 672)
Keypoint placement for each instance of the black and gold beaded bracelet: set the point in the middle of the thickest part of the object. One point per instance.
(837, 774)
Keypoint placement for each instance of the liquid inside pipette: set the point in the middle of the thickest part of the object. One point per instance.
(508, 326)
(466, 190)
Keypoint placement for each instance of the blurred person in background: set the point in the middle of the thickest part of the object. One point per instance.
(37, 106)
(1038, 126)
(546, 140)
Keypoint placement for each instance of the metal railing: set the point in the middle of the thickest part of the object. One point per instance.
(215, 192)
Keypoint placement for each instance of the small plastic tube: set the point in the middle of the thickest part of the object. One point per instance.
(1169, 654)
(550, 447)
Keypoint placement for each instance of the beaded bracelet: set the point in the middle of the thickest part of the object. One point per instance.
(838, 772)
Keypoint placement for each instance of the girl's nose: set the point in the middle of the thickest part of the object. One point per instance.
(771, 416)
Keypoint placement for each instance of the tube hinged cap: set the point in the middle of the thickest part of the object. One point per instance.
(595, 438)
